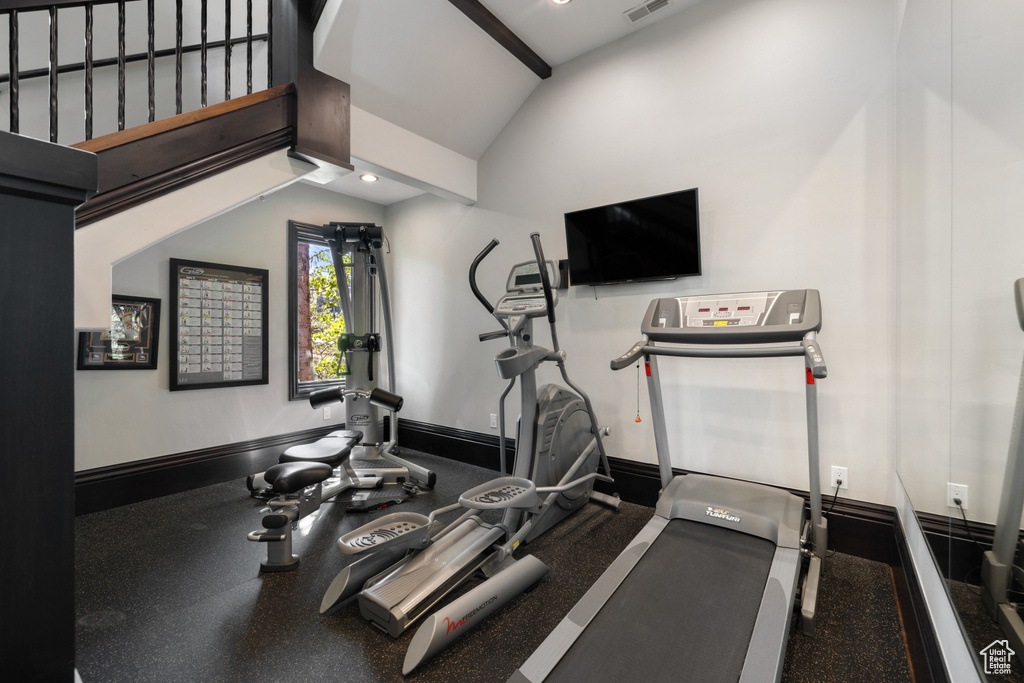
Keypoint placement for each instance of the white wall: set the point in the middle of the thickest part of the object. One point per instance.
(922, 252)
(780, 112)
(960, 154)
(131, 415)
(987, 242)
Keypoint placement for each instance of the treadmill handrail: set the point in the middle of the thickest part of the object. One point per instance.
(708, 351)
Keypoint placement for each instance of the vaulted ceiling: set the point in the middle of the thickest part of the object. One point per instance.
(435, 67)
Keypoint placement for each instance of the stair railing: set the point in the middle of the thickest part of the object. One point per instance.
(27, 16)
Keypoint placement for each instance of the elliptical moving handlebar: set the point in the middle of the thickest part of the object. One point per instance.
(538, 251)
(472, 275)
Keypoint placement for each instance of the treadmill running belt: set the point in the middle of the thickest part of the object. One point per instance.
(685, 612)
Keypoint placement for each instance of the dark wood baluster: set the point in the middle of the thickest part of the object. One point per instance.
(151, 60)
(88, 71)
(203, 51)
(53, 74)
(227, 50)
(12, 52)
(248, 47)
(120, 65)
(177, 59)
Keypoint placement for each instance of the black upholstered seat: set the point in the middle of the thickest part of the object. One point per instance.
(289, 477)
(331, 449)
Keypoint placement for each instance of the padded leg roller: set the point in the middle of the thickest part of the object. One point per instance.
(277, 534)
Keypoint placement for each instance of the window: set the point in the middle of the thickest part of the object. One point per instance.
(314, 312)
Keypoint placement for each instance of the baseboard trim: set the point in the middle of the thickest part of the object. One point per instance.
(954, 544)
(460, 445)
(107, 487)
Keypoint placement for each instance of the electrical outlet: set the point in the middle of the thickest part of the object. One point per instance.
(327, 412)
(839, 478)
(494, 421)
(956, 491)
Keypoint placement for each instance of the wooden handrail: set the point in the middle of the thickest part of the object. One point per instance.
(146, 130)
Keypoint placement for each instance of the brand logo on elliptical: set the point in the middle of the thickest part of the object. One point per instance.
(360, 419)
(452, 625)
(719, 513)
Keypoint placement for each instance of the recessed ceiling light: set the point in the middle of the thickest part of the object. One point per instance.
(368, 178)
(561, 2)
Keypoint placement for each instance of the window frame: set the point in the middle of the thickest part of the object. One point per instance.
(298, 390)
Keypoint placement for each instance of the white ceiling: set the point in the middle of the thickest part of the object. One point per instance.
(425, 66)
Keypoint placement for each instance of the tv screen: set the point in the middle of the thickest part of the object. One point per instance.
(642, 239)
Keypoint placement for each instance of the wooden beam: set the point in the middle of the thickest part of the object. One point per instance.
(483, 18)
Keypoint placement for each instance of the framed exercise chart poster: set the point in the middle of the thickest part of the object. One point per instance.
(218, 325)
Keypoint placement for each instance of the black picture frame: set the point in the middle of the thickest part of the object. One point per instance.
(131, 343)
(219, 325)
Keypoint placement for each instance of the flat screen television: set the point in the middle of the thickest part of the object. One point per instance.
(642, 239)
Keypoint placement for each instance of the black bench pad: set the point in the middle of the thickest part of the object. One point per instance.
(289, 477)
(332, 449)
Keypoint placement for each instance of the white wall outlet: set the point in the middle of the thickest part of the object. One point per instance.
(839, 478)
(327, 412)
(494, 421)
(956, 491)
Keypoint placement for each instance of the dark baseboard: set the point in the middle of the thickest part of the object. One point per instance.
(472, 448)
(955, 544)
(115, 485)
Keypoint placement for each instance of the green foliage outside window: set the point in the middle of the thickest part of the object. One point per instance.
(326, 322)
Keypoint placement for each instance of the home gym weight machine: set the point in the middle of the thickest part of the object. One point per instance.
(374, 475)
(309, 474)
(998, 569)
(410, 562)
(705, 592)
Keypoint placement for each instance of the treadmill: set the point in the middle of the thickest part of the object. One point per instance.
(706, 590)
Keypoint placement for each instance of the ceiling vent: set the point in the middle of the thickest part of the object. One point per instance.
(644, 10)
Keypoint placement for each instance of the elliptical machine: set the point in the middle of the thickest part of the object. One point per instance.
(410, 562)
(373, 475)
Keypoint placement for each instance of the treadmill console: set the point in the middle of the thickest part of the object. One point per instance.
(525, 292)
(742, 318)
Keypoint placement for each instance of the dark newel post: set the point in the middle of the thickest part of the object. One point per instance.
(40, 185)
(322, 101)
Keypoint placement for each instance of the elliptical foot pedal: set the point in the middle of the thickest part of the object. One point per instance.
(501, 493)
(399, 529)
(365, 500)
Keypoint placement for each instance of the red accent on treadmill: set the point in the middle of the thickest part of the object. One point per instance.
(647, 367)
(810, 376)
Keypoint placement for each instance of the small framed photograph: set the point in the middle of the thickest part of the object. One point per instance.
(131, 341)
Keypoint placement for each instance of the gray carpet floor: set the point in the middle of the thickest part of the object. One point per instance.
(170, 590)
